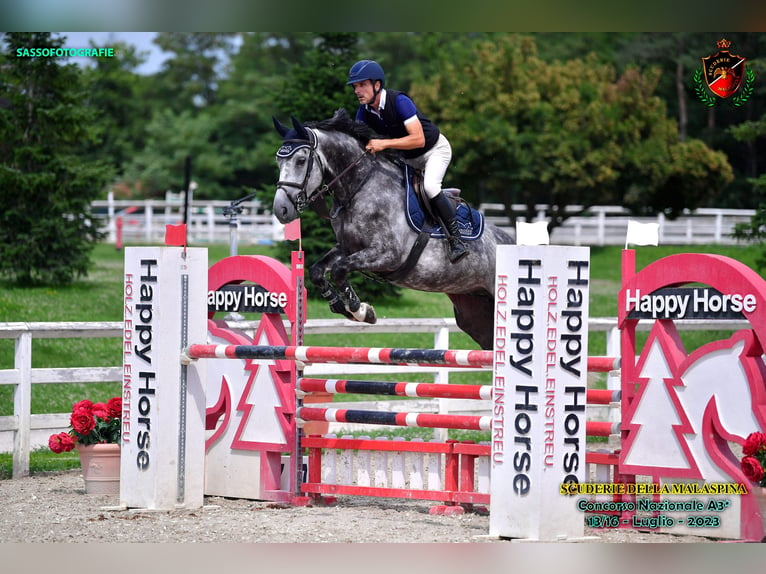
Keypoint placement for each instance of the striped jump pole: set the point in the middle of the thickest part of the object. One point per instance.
(425, 390)
(366, 355)
(400, 389)
(426, 420)
(345, 355)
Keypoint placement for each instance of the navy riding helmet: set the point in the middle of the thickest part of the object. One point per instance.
(366, 70)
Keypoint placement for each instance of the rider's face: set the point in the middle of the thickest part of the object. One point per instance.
(364, 91)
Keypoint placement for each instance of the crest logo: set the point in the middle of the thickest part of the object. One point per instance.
(724, 76)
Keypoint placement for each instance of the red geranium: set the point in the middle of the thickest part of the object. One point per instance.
(100, 410)
(82, 423)
(753, 442)
(90, 423)
(61, 442)
(114, 407)
(753, 462)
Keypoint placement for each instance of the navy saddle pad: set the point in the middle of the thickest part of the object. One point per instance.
(470, 221)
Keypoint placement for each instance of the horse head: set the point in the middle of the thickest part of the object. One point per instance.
(298, 180)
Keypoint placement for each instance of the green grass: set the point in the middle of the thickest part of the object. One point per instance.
(99, 298)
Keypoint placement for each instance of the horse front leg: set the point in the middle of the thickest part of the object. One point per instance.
(358, 310)
(317, 275)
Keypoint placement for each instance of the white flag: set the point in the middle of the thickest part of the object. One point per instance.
(642, 233)
(532, 233)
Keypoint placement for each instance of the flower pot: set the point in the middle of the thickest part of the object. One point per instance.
(100, 468)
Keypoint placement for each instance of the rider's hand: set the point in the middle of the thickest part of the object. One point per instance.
(375, 145)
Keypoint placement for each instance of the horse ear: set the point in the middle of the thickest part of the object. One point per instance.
(280, 127)
(300, 128)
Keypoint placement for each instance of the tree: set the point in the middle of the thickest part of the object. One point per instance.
(46, 185)
(231, 140)
(116, 92)
(564, 133)
(189, 79)
(755, 229)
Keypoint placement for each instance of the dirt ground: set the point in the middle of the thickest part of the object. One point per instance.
(46, 508)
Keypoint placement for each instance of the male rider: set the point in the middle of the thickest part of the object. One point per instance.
(394, 114)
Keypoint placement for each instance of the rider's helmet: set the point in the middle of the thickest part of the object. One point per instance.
(366, 70)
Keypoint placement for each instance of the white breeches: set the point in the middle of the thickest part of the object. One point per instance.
(434, 164)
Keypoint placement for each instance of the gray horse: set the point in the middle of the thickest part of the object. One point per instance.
(371, 228)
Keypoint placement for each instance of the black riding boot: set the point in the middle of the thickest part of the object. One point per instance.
(445, 211)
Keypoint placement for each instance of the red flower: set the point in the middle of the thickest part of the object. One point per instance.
(114, 406)
(90, 423)
(101, 411)
(752, 468)
(83, 405)
(753, 443)
(82, 422)
(61, 442)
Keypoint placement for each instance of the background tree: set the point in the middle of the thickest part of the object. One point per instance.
(189, 78)
(755, 229)
(117, 94)
(564, 133)
(46, 185)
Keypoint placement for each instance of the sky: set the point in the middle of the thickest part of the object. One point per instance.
(141, 40)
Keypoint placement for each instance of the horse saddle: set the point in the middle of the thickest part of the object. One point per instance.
(421, 218)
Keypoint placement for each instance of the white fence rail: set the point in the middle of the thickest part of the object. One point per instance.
(23, 431)
(607, 225)
(144, 222)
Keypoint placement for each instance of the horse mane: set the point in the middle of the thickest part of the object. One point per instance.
(344, 123)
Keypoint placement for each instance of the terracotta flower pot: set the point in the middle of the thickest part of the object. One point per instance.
(100, 468)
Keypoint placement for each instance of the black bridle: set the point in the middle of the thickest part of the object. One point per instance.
(289, 147)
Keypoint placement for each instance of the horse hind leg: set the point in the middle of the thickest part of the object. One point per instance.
(475, 315)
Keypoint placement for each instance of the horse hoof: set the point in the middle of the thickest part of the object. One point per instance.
(366, 314)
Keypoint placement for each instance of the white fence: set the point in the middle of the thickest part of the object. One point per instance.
(23, 431)
(144, 222)
(607, 225)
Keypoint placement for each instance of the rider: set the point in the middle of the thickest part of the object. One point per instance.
(394, 114)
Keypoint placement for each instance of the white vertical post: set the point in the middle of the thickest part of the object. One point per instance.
(601, 234)
(148, 215)
(210, 213)
(163, 428)
(539, 390)
(110, 223)
(22, 404)
(613, 350)
(441, 341)
(718, 226)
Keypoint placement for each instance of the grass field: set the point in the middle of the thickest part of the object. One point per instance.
(99, 298)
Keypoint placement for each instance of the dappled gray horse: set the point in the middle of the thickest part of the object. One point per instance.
(371, 227)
